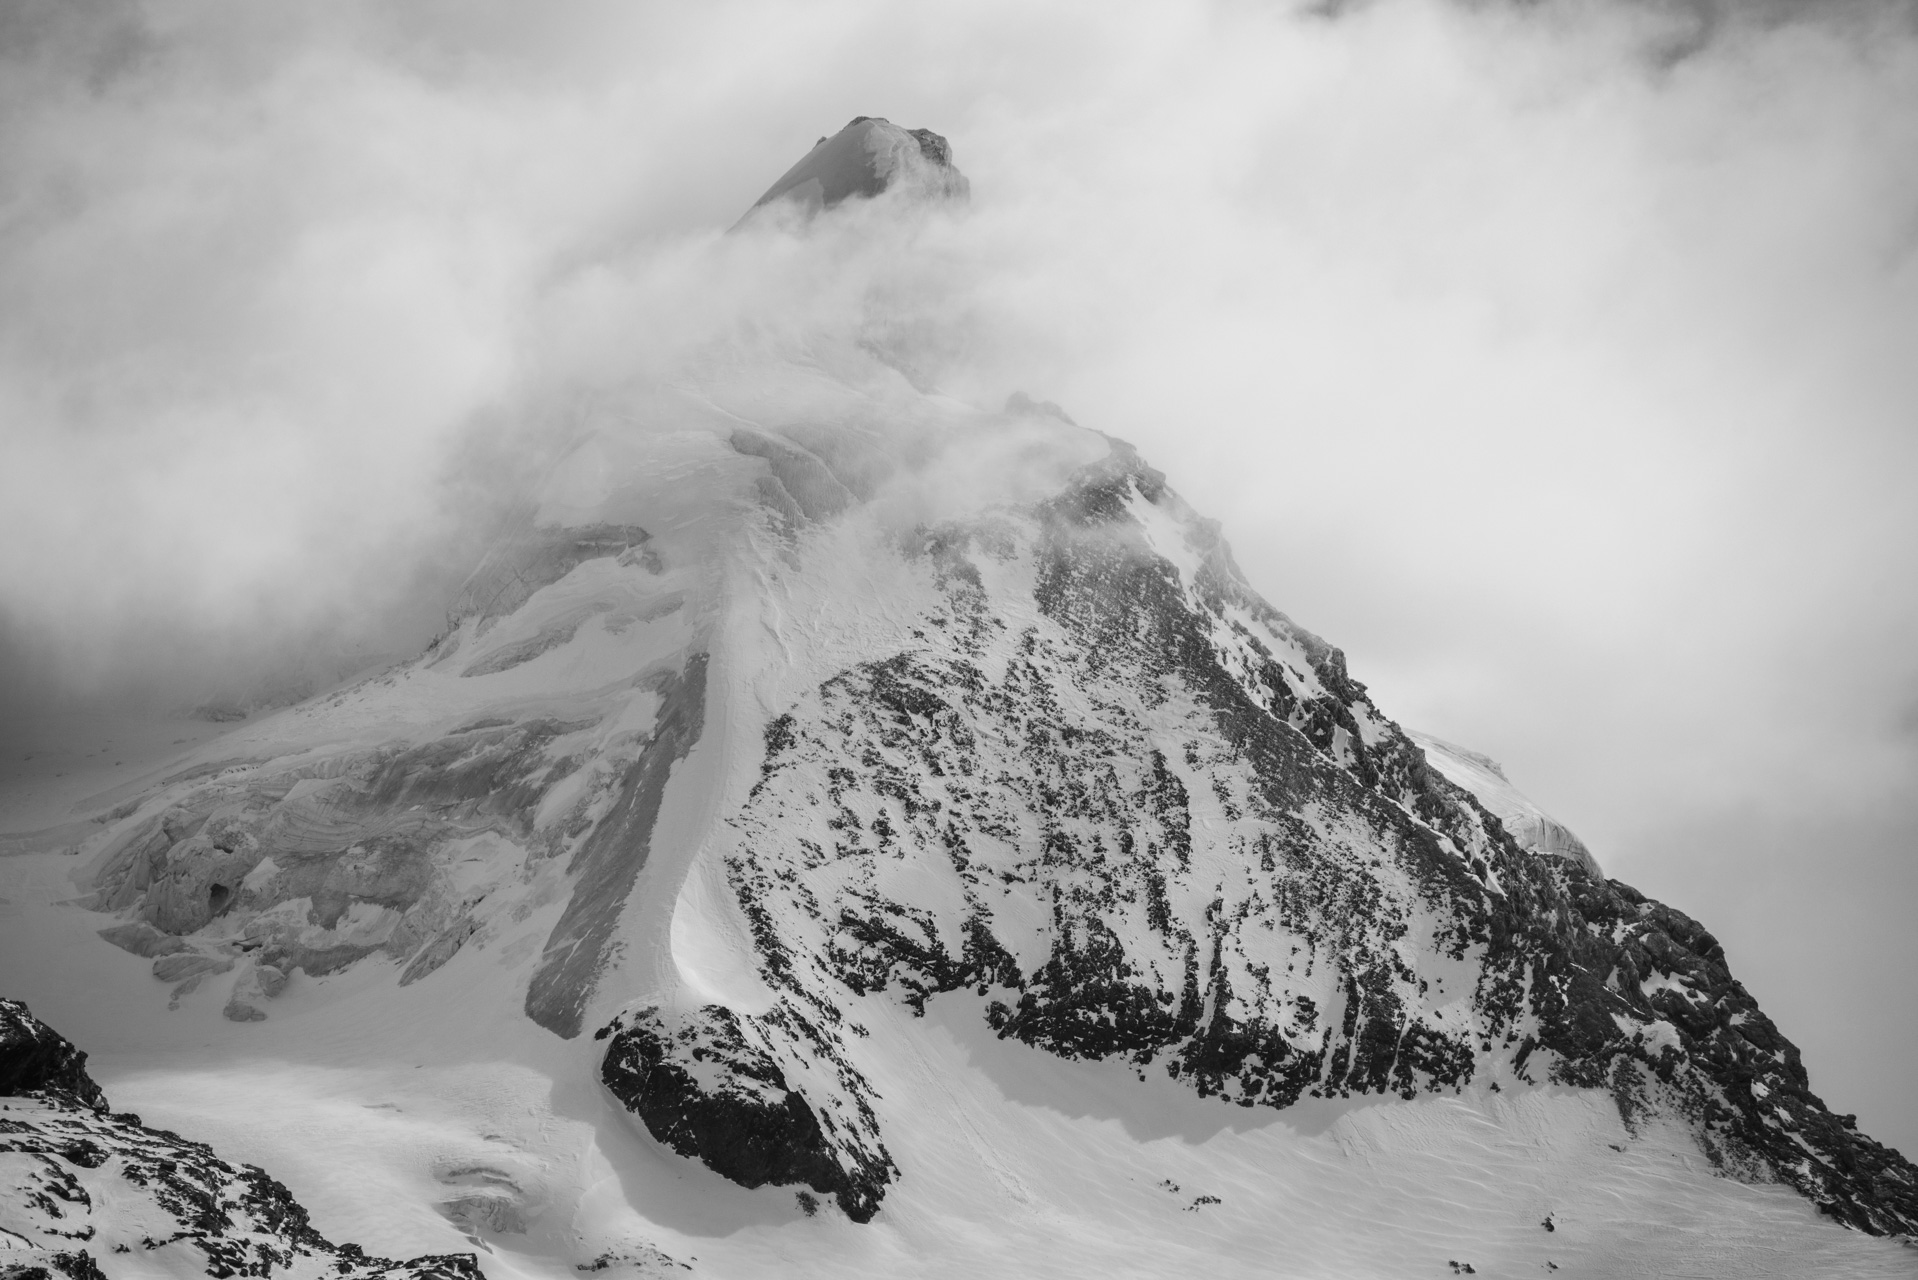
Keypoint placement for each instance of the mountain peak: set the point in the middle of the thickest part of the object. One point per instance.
(869, 156)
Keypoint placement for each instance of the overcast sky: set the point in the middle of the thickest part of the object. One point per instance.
(1558, 361)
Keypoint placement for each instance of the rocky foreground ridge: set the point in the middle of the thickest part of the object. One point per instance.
(80, 1185)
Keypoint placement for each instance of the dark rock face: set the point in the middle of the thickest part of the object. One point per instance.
(750, 1127)
(36, 1059)
(933, 147)
(66, 1162)
(1112, 789)
(77, 1265)
(1724, 1064)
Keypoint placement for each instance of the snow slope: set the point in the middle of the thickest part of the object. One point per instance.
(1528, 824)
(870, 155)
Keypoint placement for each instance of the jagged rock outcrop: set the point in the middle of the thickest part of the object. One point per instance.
(35, 1059)
(79, 1185)
(708, 1092)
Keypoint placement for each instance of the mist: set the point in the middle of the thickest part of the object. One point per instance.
(1555, 360)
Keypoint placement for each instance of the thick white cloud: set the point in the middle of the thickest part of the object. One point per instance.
(1555, 360)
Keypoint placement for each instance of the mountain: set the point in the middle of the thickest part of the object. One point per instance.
(869, 156)
(1526, 823)
(845, 830)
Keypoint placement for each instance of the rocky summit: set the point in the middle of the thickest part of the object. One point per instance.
(847, 830)
(1149, 818)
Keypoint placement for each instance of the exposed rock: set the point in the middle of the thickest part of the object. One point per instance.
(77, 1264)
(707, 1091)
(869, 156)
(77, 1173)
(36, 1059)
(646, 1259)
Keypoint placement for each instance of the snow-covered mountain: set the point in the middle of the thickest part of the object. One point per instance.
(847, 830)
(868, 157)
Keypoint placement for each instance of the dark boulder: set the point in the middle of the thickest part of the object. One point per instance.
(36, 1059)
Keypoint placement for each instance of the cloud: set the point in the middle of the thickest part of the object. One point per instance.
(1553, 359)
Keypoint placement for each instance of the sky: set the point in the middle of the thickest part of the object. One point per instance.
(1557, 360)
